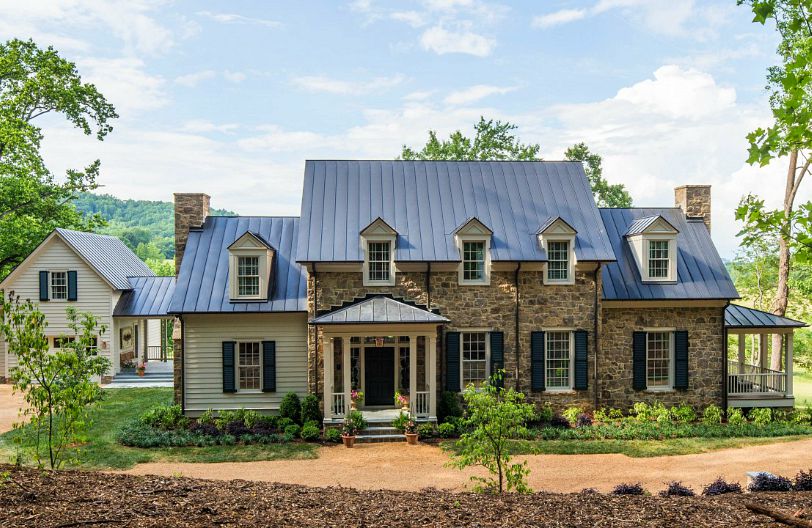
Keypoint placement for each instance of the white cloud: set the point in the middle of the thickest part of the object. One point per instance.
(320, 83)
(233, 18)
(235, 77)
(413, 18)
(475, 93)
(125, 83)
(442, 41)
(558, 17)
(190, 80)
(197, 126)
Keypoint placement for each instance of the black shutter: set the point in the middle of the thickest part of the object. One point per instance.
(639, 360)
(681, 359)
(537, 361)
(228, 366)
(43, 285)
(498, 356)
(581, 363)
(452, 361)
(72, 293)
(269, 366)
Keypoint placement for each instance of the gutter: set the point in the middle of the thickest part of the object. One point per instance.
(516, 334)
(316, 332)
(597, 337)
(182, 365)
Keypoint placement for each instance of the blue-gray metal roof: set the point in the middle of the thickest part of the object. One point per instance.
(425, 201)
(641, 224)
(149, 297)
(743, 317)
(107, 255)
(378, 309)
(701, 274)
(202, 285)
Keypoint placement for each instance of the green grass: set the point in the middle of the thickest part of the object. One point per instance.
(802, 387)
(101, 451)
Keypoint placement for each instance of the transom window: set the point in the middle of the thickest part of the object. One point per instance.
(248, 366)
(248, 276)
(59, 285)
(658, 360)
(379, 258)
(558, 260)
(473, 261)
(658, 259)
(474, 358)
(559, 360)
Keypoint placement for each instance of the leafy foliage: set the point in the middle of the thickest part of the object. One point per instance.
(310, 432)
(803, 481)
(446, 430)
(768, 482)
(354, 422)
(449, 406)
(400, 422)
(165, 417)
(606, 194)
(628, 489)
(712, 415)
(291, 407)
(720, 486)
(332, 435)
(677, 489)
(311, 410)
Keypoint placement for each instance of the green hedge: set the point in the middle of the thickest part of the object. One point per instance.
(630, 430)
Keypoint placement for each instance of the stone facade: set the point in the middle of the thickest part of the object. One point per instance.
(695, 201)
(191, 210)
(705, 353)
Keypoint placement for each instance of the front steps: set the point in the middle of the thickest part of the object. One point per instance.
(380, 433)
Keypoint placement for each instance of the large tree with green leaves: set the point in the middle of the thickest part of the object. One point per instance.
(496, 140)
(35, 82)
(789, 137)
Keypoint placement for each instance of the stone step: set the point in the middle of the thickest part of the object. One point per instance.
(378, 431)
(367, 439)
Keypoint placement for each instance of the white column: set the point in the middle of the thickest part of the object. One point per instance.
(742, 343)
(347, 366)
(328, 375)
(431, 358)
(788, 359)
(412, 372)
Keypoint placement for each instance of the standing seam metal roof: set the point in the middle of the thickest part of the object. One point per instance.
(378, 309)
(737, 316)
(424, 201)
(149, 297)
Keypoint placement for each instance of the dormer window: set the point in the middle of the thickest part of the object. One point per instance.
(378, 240)
(250, 265)
(557, 238)
(653, 241)
(473, 239)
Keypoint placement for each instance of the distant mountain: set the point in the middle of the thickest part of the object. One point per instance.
(147, 227)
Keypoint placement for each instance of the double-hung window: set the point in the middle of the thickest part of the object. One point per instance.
(559, 362)
(474, 358)
(473, 261)
(248, 276)
(558, 260)
(659, 261)
(59, 285)
(249, 370)
(379, 260)
(659, 359)
(63, 341)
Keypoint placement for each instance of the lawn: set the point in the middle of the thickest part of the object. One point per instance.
(802, 387)
(101, 451)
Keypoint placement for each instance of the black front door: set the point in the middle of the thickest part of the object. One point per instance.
(379, 376)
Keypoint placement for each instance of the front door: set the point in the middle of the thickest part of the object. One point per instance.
(379, 376)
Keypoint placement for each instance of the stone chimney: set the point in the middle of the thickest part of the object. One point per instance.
(695, 202)
(191, 210)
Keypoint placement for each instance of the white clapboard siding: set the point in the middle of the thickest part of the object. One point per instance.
(203, 358)
(94, 294)
(153, 332)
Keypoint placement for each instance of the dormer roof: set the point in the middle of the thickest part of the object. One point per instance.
(378, 227)
(473, 226)
(556, 225)
(250, 240)
(654, 224)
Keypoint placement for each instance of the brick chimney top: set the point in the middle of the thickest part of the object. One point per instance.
(695, 202)
(191, 210)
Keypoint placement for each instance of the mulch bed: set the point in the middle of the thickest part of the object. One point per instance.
(85, 499)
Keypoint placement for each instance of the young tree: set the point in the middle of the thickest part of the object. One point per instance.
(789, 136)
(605, 193)
(33, 83)
(494, 417)
(58, 387)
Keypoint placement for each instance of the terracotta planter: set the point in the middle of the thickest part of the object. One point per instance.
(405, 408)
(411, 438)
(140, 372)
(353, 406)
(349, 441)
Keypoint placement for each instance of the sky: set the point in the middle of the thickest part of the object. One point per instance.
(230, 98)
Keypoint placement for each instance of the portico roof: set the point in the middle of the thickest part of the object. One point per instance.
(378, 309)
(737, 316)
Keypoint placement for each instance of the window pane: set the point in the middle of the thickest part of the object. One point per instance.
(558, 360)
(473, 261)
(379, 261)
(249, 366)
(248, 276)
(658, 359)
(59, 285)
(658, 259)
(474, 361)
(558, 260)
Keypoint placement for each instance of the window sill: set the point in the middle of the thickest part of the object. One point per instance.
(560, 391)
(655, 391)
(559, 282)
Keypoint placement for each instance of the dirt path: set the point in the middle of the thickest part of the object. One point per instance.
(402, 467)
(9, 407)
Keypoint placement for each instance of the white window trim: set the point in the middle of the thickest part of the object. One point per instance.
(571, 332)
(51, 286)
(486, 275)
(237, 366)
(56, 338)
(570, 280)
(264, 257)
(366, 239)
(487, 333)
(670, 386)
(640, 248)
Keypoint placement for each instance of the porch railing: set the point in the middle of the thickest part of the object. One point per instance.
(753, 379)
(158, 353)
(421, 404)
(338, 405)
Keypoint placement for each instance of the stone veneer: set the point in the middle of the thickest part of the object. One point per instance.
(705, 333)
(695, 201)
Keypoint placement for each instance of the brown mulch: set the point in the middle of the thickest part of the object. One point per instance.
(77, 499)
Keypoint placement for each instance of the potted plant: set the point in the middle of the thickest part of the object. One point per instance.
(402, 400)
(356, 398)
(140, 368)
(348, 434)
(411, 432)
(353, 422)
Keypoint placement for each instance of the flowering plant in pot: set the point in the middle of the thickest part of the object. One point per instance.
(140, 368)
(411, 431)
(356, 398)
(353, 422)
(402, 400)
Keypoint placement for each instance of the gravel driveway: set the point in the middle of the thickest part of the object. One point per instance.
(9, 407)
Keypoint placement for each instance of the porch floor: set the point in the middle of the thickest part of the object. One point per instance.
(379, 416)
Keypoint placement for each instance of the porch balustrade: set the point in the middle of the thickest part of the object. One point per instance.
(420, 407)
(338, 404)
(743, 378)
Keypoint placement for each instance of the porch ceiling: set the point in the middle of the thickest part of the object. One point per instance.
(378, 309)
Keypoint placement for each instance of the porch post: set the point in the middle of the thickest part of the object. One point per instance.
(762, 351)
(742, 344)
(412, 372)
(431, 348)
(328, 374)
(346, 365)
(788, 360)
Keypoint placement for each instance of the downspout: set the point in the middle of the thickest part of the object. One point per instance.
(182, 365)
(428, 285)
(724, 362)
(316, 332)
(597, 336)
(516, 330)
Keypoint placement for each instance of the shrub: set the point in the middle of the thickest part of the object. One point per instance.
(583, 420)
(642, 411)
(712, 415)
(676, 489)
(736, 417)
(607, 414)
(311, 410)
(207, 418)
(449, 406)
(281, 423)
(291, 407)
(310, 431)
(400, 422)
(572, 414)
(544, 413)
(245, 417)
(293, 430)
(628, 489)
(332, 434)
(661, 413)
(761, 416)
(559, 422)
(446, 430)
(208, 429)
(426, 430)
(356, 421)
(683, 413)
(720, 486)
(589, 491)
(768, 482)
(236, 428)
(166, 417)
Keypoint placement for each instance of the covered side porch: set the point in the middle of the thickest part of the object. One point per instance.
(379, 346)
(752, 337)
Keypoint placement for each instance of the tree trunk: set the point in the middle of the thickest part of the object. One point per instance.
(782, 292)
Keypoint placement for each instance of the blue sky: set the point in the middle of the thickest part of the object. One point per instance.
(230, 98)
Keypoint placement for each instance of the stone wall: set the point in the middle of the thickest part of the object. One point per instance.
(704, 326)
(695, 201)
(191, 210)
